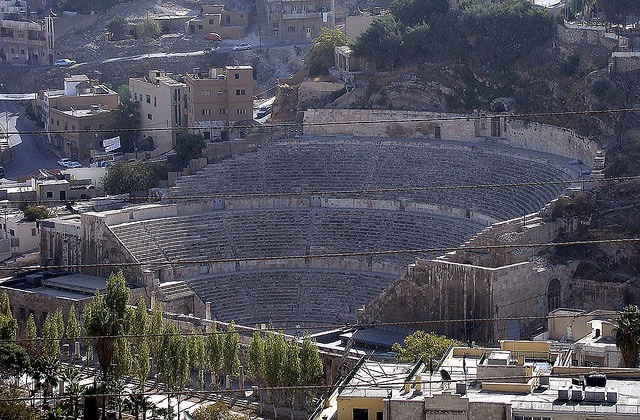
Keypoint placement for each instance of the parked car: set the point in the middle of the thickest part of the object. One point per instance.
(242, 47)
(64, 162)
(64, 62)
(263, 111)
(74, 164)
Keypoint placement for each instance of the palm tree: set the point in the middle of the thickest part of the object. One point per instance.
(628, 335)
(72, 375)
(46, 369)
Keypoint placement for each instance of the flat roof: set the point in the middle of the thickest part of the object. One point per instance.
(377, 379)
(78, 282)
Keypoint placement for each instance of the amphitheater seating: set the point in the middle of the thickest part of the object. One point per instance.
(286, 298)
(333, 165)
(292, 296)
(288, 232)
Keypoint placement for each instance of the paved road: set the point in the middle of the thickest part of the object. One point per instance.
(28, 151)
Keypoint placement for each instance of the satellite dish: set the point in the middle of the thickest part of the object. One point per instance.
(445, 375)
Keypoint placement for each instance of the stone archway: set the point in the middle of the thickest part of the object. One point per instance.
(554, 295)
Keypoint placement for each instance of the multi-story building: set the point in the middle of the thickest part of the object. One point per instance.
(70, 115)
(218, 98)
(214, 18)
(162, 107)
(12, 8)
(294, 20)
(27, 42)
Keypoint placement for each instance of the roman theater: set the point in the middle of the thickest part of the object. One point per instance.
(350, 222)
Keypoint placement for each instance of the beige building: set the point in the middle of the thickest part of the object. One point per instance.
(27, 42)
(162, 107)
(215, 19)
(219, 98)
(520, 380)
(70, 114)
(294, 20)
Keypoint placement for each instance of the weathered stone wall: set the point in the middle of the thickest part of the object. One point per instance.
(621, 62)
(591, 294)
(589, 35)
(521, 134)
(439, 291)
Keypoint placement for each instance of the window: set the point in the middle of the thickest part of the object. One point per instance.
(291, 28)
(154, 101)
(149, 116)
(206, 112)
(210, 21)
(73, 128)
(87, 127)
(12, 232)
(239, 92)
(554, 295)
(236, 75)
(220, 93)
(223, 111)
(200, 27)
(148, 99)
(33, 232)
(135, 96)
(58, 122)
(206, 92)
(241, 111)
(49, 194)
(360, 414)
(206, 135)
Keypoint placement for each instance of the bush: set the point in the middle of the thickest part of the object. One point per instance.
(33, 213)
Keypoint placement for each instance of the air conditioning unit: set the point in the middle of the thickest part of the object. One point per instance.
(563, 393)
(612, 395)
(577, 394)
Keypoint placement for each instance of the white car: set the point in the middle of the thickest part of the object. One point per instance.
(242, 47)
(64, 62)
(74, 164)
(64, 162)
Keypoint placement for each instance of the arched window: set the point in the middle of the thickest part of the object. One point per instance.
(554, 292)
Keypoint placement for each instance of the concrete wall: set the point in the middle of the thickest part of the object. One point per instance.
(465, 128)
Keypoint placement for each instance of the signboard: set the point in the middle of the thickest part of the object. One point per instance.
(111, 144)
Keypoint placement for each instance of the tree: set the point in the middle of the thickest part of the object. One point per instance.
(423, 344)
(148, 28)
(127, 120)
(310, 366)
(8, 324)
(117, 27)
(291, 371)
(414, 12)
(106, 318)
(231, 344)
(122, 358)
(616, 11)
(14, 406)
(128, 177)
(51, 334)
(214, 355)
(73, 326)
(14, 360)
(141, 364)
(321, 55)
(46, 371)
(381, 42)
(628, 335)
(33, 212)
(155, 325)
(275, 359)
(187, 147)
